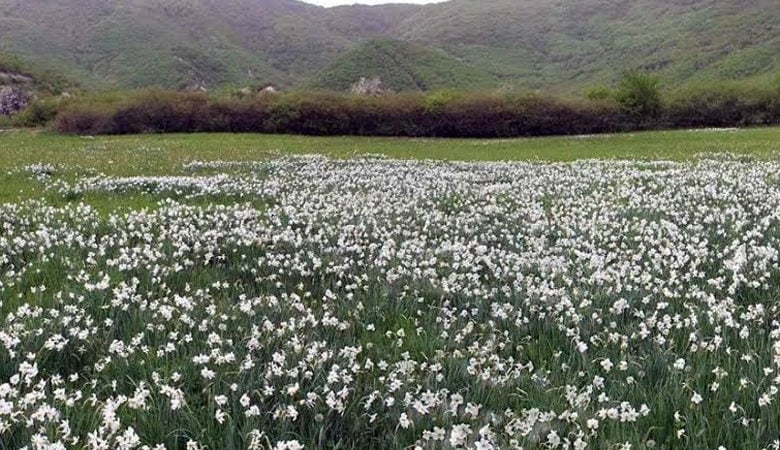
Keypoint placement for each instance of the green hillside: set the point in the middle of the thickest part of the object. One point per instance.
(169, 43)
(402, 67)
(564, 44)
(535, 44)
(16, 72)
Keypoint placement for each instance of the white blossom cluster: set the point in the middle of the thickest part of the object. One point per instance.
(42, 172)
(12, 100)
(395, 304)
(369, 86)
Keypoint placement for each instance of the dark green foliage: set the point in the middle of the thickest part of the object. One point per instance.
(639, 95)
(439, 114)
(723, 104)
(599, 93)
(39, 113)
(566, 45)
(323, 113)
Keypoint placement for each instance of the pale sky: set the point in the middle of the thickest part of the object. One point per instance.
(368, 2)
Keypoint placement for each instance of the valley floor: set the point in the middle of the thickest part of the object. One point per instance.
(282, 292)
(165, 154)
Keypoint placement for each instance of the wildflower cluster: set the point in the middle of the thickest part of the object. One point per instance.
(388, 304)
(12, 100)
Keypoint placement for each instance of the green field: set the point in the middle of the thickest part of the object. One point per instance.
(209, 292)
(159, 154)
(142, 155)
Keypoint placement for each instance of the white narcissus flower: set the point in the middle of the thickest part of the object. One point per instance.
(288, 445)
(391, 294)
(404, 421)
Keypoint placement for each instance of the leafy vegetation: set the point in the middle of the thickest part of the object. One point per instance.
(472, 115)
(639, 95)
(635, 104)
(722, 102)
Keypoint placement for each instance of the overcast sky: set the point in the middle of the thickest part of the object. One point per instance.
(367, 2)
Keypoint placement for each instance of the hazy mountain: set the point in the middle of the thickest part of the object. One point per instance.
(556, 44)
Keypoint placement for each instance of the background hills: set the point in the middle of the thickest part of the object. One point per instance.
(559, 45)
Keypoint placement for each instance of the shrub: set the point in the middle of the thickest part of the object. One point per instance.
(39, 113)
(85, 119)
(724, 104)
(439, 114)
(162, 112)
(392, 115)
(599, 93)
(639, 95)
(241, 116)
(320, 113)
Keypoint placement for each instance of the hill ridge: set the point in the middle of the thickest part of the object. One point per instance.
(546, 44)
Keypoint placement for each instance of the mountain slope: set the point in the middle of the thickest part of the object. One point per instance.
(19, 73)
(537, 44)
(563, 43)
(173, 43)
(402, 67)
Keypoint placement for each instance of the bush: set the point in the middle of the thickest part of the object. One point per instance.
(725, 104)
(39, 113)
(162, 112)
(599, 93)
(393, 115)
(440, 114)
(84, 119)
(639, 95)
(241, 116)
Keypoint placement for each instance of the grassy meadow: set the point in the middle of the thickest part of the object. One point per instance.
(164, 154)
(266, 292)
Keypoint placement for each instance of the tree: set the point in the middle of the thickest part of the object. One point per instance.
(12, 100)
(639, 94)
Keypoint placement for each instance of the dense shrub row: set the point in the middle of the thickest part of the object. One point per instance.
(469, 115)
(724, 104)
(437, 114)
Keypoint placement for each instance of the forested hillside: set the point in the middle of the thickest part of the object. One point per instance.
(537, 44)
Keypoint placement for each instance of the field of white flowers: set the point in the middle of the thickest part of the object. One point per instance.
(370, 303)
